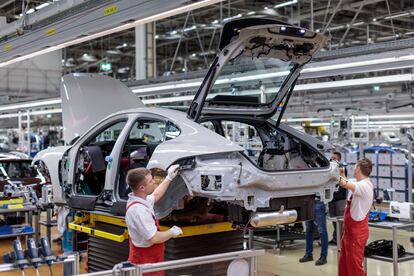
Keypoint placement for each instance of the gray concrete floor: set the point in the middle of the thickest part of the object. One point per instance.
(285, 262)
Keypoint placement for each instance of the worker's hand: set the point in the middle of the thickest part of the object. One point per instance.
(176, 231)
(172, 172)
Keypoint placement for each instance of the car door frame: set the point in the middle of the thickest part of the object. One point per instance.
(73, 154)
(113, 180)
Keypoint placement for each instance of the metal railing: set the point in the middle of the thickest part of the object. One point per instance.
(138, 270)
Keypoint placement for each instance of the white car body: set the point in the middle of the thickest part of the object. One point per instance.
(211, 165)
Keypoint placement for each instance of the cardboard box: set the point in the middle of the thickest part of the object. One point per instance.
(384, 183)
(399, 184)
(384, 158)
(384, 171)
(398, 159)
(398, 171)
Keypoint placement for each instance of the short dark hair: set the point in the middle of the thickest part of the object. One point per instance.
(339, 154)
(135, 177)
(365, 165)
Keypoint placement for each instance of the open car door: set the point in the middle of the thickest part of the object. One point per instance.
(256, 71)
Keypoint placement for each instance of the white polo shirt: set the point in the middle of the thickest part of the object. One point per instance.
(140, 220)
(362, 198)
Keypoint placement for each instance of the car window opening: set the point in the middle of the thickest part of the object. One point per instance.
(91, 165)
(143, 138)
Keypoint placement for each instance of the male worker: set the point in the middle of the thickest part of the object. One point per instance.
(319, 209)
(360, 198)
(146, 241)
(337, 205)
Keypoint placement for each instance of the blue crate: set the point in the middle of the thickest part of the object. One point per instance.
(6, 230)
(374, 215)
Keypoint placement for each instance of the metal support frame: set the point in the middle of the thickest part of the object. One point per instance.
(93, 22)
(352, 23)
(24, 131)
(391, 21)
(332, 16)
(30, 212)
(410, 171)
(179, 42)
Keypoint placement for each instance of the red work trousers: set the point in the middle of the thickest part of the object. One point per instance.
(353, 244)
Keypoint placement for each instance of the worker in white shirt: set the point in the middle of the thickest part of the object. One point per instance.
(146, 241)
(354, 239)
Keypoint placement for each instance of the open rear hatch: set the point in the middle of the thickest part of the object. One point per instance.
(256, 71)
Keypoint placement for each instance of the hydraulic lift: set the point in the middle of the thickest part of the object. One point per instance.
(108, 243)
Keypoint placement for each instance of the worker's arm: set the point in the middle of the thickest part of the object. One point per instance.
(345, 183)
(162, 188)
(163, 236)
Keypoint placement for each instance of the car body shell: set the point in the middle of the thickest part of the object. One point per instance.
(208, 153)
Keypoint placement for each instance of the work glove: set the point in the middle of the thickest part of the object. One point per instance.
(176, 231)
(172, 172)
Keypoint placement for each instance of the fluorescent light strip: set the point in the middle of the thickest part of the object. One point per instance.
(113, 30)
(277, 74)
(400, 122)
(389, 116)
(309, 67)
(355, 82)
(288, 3)
(41, 6)
(363, 117)
(292, 120)
(28, 105)
(397, 15)
(33, 113)
(301, 87)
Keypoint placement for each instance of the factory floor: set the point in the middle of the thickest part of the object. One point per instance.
(283, 262)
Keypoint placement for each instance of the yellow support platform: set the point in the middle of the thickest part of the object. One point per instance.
(204, 229)
(18, 200)
(87, 223)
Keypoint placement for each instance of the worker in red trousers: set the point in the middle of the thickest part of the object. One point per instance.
(354, 239)
(146, 241)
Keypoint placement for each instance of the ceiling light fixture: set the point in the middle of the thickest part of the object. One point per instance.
(32, 113)
(311, 86)
(28, 105)
(397, 15)
(126, 26)
(288, 3)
